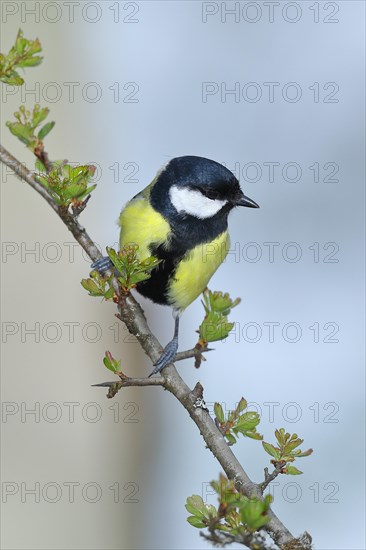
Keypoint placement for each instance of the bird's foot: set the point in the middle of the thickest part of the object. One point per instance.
(102, 265)
(167, 356)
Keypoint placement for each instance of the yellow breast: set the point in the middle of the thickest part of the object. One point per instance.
(196, 269)
(142, 225)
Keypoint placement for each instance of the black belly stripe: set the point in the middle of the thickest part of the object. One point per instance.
(186, 235)
(156, 288)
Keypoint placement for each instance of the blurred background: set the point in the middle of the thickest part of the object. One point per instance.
(275, 91)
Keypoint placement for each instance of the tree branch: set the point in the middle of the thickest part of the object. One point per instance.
(131, 313)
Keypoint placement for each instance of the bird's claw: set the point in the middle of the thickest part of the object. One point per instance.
(102, 265)
(167, 356)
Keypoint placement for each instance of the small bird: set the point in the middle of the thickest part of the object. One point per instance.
(181, 219)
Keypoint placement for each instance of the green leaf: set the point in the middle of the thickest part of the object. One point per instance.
(291, 445)
(196, 522)
(22, 132)
(292, 471)
(87, 192)
(30, 62)
(111, 363)
(248, 421)
(211, 510)
(40, 167)
(219, 413)
(109, 294)
(91, 287)
(116, 260)
(242, 405)
(13, 79)
(39, 115)
(230, 439)
(254, 435)
(215, 327)
(72, 190)
(138, 277)
(253, 514)
(281, 436)
(45, 130)
(20, 42)
(196, 506)
(219, 302)
(305, 453)
(271, 450)
(44, 181)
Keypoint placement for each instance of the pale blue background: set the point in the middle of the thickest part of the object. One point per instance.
(169, 52)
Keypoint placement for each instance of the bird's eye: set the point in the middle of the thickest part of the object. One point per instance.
(209, 193)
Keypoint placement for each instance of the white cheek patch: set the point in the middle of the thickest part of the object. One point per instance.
(194, 203)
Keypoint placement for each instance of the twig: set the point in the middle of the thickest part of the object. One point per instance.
(130, 312)
(194, 352)
(128, 382)
(270, 477)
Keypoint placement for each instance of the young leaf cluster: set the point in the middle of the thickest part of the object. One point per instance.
(129, 267)
(26, 124)
(237, 422)
(21, 55)
(215, 325)
(67, 184)
(237, 515)
(286, 451)
(98, 285)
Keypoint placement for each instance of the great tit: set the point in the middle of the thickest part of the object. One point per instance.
(181, 218)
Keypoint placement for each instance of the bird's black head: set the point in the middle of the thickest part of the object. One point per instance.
(196, 188)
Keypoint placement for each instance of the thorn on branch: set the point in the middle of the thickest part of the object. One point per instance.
(198, 357)
(195, 352)
(197, 391)
(127, 382)
(113, 387)
(78, 208)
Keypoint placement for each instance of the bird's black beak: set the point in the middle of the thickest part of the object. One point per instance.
(242, 200)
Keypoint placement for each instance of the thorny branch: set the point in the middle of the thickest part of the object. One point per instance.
(131, 313)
